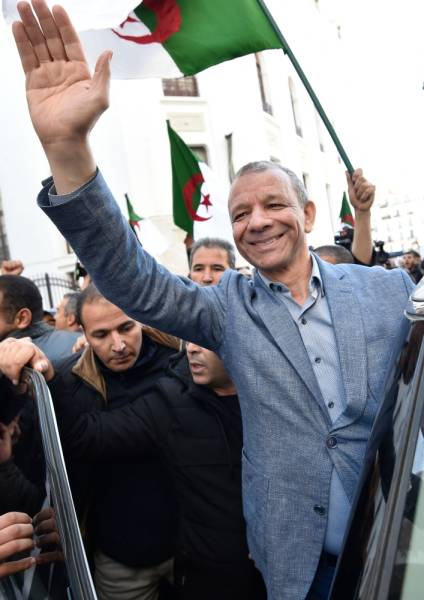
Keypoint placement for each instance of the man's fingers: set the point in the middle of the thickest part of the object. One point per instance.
(50, 30)
(10, 568)
(49, 557)
(101, 76)
(11, 518)
(17, 531)
(70, 39)
(34, 33)
(27, 55)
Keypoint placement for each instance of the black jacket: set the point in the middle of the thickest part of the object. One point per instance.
(199, 434)
(119, 497)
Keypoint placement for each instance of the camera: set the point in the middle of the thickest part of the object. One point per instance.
(344, 237)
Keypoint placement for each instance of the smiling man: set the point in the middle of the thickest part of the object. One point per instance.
(308, 345)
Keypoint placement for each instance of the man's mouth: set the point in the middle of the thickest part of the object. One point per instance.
(196, 367)
(265, 243)
(121, 357)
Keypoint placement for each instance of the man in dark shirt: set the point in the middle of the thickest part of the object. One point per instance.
(128, 506)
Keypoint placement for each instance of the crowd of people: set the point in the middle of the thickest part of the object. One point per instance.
(214, 425)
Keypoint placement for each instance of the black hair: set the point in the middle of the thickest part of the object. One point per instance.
(19, 292)
(89, 295)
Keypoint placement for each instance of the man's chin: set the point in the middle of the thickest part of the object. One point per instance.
(121, 365)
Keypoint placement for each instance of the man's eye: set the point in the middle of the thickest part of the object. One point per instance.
(239, 216)
(275, 206)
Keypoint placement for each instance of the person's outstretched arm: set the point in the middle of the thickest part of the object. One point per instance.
(64, 103)
(361, 195)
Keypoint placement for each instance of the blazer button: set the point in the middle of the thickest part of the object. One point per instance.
(320, 510)
(331, 442)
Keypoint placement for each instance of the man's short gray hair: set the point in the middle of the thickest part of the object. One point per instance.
(214, 242)
(267, 165)
(70, 307)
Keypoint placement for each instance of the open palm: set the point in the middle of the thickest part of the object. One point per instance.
(64, 100)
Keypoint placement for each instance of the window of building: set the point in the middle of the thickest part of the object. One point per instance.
(295, 107)
(4, 247)
(263, 84)
(201, 153)
(183, 86)
(320, 132)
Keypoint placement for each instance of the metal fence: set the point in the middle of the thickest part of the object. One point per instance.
(53, 288)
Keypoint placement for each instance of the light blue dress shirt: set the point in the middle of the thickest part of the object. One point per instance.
(313, 320)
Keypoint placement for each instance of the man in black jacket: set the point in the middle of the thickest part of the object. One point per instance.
(192, 419)
(127, 506)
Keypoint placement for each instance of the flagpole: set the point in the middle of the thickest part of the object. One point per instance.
(308, 87)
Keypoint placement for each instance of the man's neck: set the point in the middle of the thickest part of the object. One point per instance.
(296, 278)
(226, 390)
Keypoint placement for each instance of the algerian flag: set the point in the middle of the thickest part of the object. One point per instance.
(85, 14)
(171, 38)
(133, 218)
(199, 205)
(148, 234)
(345, 215)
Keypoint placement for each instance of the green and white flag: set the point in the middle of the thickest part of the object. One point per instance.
(199, 202)
(172, 38)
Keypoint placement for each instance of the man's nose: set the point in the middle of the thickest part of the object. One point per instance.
(118, 343)
(258, 220)
(192, 348)
(207, 276)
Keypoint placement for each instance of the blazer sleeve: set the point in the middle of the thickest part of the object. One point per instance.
(126, 274)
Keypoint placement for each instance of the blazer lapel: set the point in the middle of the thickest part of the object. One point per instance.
(350, 338)
(284, 331)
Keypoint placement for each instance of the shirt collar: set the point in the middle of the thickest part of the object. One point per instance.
(315, 282)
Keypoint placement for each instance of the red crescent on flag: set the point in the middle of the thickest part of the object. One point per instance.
(188, 191)
(168, 16)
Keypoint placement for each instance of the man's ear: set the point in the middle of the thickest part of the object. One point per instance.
(71, 320)
(309, 211)
(23, 318)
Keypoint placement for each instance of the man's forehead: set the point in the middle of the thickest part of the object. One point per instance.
(269, 181)
(214, 254)
(102, 314)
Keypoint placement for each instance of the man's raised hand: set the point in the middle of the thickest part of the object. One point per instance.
(64, 100)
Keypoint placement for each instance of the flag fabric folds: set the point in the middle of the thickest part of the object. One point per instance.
(171, 38)
(199, 202)
(187, 181)
(345, 215)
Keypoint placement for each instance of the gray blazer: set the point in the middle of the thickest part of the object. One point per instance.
(287, 455)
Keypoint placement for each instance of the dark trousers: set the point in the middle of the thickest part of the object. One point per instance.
(242, 582)
(323, 579)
